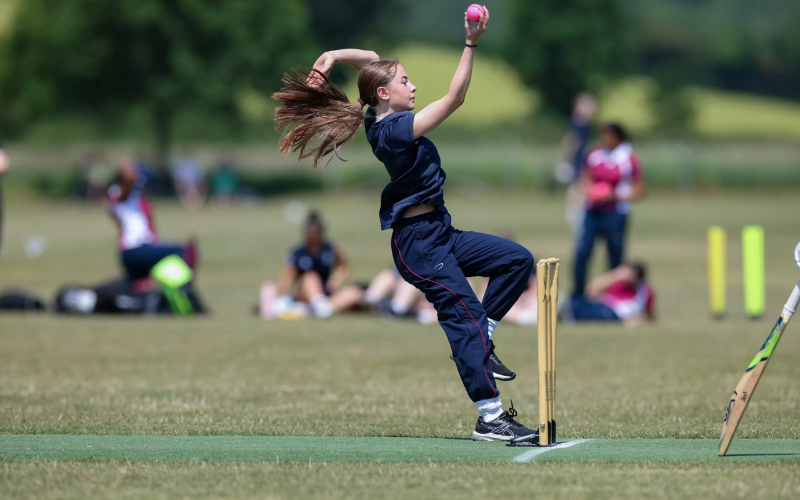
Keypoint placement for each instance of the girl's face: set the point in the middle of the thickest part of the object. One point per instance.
(609, 139)
(399, 92)
(313, 235)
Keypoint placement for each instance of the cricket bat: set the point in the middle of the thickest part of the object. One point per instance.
(747, 385)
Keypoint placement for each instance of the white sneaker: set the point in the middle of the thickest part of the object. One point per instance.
(282, 304)
(321, 307)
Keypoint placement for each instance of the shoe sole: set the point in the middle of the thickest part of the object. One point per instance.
(497, 437)
(489, 437)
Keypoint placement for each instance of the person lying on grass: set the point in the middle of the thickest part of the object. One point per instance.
(621, 294)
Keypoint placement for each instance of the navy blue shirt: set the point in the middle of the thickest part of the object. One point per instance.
(321, 262)
(582, 132)
(414, 165)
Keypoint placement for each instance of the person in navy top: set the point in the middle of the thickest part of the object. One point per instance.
(4, 163)
(428, 251)
(575, 144)
(316, 270)
(611, 178)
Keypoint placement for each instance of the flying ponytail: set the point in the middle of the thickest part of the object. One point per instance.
(313, 107)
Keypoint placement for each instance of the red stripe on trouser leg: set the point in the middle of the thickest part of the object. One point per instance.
(462, 303)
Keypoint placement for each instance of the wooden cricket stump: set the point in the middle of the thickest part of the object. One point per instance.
(547, 296)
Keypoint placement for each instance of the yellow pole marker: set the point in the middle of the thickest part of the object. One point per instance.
(753, 270)
(716, 270)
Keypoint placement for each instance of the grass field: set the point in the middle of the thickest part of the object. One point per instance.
(230, 405)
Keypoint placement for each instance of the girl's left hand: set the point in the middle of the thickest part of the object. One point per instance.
(323, 65)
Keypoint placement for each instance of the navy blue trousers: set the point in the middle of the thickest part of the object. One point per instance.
(610, 225)
(140, 260)
(437, 259)
(584, 309)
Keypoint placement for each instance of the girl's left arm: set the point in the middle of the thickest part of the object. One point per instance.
(3, 162)
(341, 272)
(637, 191)
(639, 188)
(356, 58)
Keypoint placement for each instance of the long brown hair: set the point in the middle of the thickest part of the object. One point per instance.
(314, 107)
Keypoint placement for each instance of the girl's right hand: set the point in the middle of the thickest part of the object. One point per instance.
(474, 31)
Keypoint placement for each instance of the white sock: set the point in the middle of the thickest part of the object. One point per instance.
(489, 409)
(492, 325)
(399, 307)
(371, 297)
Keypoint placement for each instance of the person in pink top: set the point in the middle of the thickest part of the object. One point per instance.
(621, 294)
(139, 244)
(611, 178)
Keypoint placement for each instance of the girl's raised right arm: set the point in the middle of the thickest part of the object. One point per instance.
(432, 115)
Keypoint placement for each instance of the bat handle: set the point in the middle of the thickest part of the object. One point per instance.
(791, 305)
(797, 255)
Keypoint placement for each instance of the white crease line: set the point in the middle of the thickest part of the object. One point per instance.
(530, 455)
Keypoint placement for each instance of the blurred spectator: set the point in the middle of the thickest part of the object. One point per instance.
(4, 166)
(189, 181)
(525, 309)
(574, 147)
(316, 269)
(621, 294)
(4, 163)
(94, 175)
(389, 294)
(611, 179)
(138, 242)
(224, 184)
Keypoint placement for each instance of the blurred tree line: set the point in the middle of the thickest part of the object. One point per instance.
(101, 58)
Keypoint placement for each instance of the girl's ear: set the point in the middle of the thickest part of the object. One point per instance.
(383, 93)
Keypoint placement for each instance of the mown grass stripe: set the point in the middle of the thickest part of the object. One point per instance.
(378, 449)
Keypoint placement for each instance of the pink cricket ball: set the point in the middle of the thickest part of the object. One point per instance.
(474, 12)
(600, 191)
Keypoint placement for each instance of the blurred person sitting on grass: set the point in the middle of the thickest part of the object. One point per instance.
(139, 244)
(93, 175)
(390, 295)
(224, 184)
(611, 178)
(621, 294)
(428, 251)
(4, 166)
(525, 309)
(189, 182)
(316, 269)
